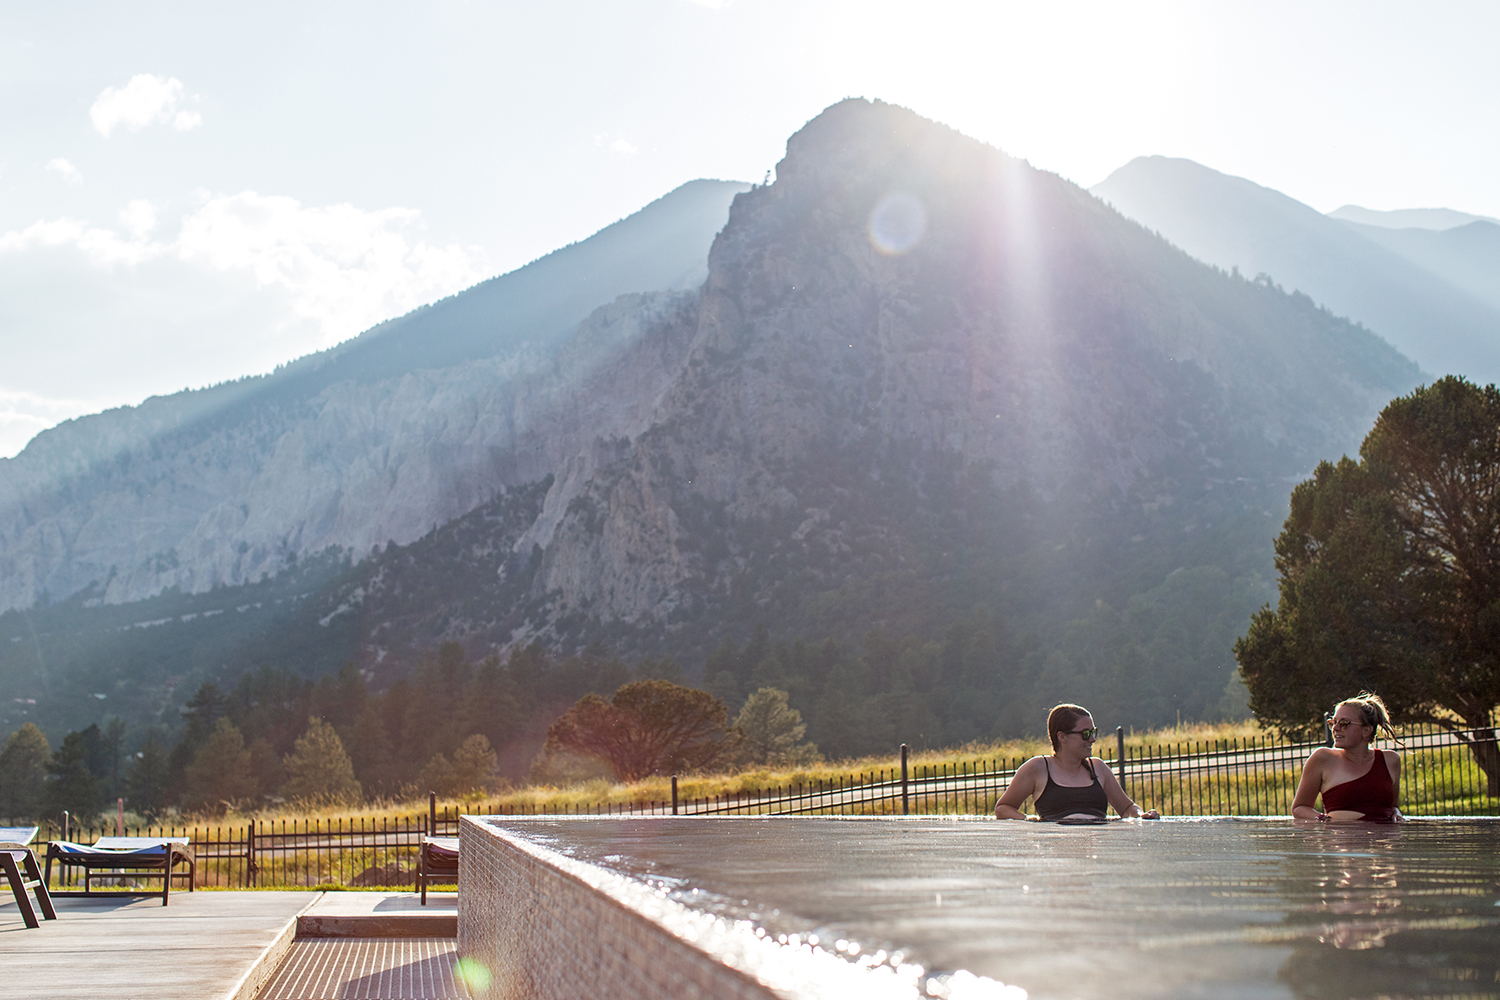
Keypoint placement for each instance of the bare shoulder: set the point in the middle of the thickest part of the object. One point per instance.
(1032, 765)
(1318, 763)
(1100, 765)
(1027, 782)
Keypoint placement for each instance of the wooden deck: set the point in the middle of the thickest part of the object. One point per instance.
(205, 945)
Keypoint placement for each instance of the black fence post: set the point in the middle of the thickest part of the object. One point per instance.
(905, 803)
(1120, 755)
(250, 865)
(432, 814)
(674, 795)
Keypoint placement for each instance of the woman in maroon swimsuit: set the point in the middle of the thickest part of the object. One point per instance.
(1357, 781)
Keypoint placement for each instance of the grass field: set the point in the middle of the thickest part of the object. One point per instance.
(597, 792)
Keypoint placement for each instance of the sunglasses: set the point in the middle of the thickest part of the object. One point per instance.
(1339, 725)
(1088, 734)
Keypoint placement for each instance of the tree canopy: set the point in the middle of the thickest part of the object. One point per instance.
(1390, 575)
(770, 730)
(23, 767)
(74, 787)
(648, 727)
(318, 770)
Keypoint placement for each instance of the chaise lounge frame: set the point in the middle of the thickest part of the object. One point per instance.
(437, 858)
(148, 857)
(25, 877)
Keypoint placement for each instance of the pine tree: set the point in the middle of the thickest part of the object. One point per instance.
(318, 770)
(23, 769)
(74, 788)
(770, 730)
(473, 765)
(438, 776)
(146, 781)
(220, 772)
(201, 713)
(369, 748)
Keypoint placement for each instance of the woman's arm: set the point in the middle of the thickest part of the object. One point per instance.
(1393, 760)
(1022, 787)
(1124, 804)
(1308, 788)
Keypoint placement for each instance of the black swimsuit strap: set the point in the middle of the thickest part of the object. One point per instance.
(1046, 761)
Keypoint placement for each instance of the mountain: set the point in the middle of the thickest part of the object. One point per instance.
(1466, 256)
(1407, 218)
(374, 441)
(940, 440)
(1430, 314)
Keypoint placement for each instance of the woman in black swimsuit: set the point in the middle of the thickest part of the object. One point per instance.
(1070, 785)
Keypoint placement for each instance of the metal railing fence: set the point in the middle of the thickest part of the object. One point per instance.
(1238, 777)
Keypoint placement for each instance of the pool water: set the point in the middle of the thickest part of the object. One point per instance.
(1176, 908)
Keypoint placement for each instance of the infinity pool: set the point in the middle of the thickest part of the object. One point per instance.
(1177, 908)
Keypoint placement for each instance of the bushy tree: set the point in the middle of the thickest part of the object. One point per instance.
(1390, 576)
(23, 769)
(318, 770)
(648, 727)
(770, 730)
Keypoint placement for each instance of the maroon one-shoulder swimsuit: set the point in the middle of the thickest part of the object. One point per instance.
(1372, 793)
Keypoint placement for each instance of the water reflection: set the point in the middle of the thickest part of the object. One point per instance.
(1172, 909)
(1394, 911)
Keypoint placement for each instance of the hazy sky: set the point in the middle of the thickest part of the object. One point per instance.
(192, 192)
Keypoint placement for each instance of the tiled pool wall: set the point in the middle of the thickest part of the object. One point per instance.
(536, 924)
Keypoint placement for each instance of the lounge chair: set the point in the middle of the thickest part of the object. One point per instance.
(152, 857)
(437, 859)
(18, 861)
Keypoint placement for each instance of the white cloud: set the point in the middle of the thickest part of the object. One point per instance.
(343, 268)
(619, 144)
(70, 173)
(23, 415)
(102, 247)
(138, 217)
(145, 100)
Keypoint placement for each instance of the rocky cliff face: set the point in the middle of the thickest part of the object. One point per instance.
(905, 307)
(922, 382)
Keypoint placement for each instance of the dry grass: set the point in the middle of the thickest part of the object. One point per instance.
(598, 792)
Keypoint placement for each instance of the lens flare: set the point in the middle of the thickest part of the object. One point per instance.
(473, 974)
(897, 223)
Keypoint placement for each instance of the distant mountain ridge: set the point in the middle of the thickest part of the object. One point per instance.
(1394, 281)
(1467, 256)
(923, 386)
(1436, 219)
(379, 439)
